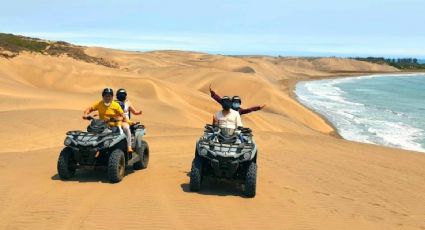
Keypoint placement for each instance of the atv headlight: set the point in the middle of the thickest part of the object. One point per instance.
(246, 156)
(203, 152)
(67, 141)
(106, 143)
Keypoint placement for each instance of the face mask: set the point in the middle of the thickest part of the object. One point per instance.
(236, 105)
(107, 104)
(226, 105)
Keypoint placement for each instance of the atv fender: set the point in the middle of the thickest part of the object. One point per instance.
(139, 136)
(119, 139)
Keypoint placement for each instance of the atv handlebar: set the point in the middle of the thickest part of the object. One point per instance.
(88, 118)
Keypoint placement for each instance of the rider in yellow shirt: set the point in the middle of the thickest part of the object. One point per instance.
(107, 109)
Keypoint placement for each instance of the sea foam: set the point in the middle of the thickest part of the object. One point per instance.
(352, 105)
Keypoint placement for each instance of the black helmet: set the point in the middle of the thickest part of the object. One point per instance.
(226, 103)
(107, 91)
(237, 99)
(225, 98)
(121, 95)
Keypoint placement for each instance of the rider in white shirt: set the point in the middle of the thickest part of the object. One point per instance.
(127, 108)
(227, 118)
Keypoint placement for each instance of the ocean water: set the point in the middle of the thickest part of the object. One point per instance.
(379, 109)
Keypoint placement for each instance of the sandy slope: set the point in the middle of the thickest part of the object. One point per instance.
(307, 179)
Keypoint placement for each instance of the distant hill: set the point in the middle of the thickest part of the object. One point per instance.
(11, 45)
(409, 64)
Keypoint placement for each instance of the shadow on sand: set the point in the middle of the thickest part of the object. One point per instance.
(217, 187)
(95, 175)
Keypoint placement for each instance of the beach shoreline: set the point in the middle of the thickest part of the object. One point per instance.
(335, 132)
(292, 94)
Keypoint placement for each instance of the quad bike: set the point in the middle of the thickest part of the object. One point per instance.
(102, 145)
(227, 154)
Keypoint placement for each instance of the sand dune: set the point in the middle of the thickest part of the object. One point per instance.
(308, 179)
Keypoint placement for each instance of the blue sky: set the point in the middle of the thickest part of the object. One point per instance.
(271, 27)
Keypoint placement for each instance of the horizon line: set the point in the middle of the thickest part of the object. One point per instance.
(185, 43)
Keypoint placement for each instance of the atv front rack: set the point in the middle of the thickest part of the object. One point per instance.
(213, 128)
(209, 147)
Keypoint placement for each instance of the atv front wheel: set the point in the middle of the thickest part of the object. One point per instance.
(66, 165)
(143, 152)
(196, 174)
(116, 166)
(251, 180)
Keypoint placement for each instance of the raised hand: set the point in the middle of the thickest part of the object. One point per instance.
(210, 87)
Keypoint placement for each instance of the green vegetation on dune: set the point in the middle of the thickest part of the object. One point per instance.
(15, 44)
(399, 63)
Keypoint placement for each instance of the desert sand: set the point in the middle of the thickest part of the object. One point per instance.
(308, 178)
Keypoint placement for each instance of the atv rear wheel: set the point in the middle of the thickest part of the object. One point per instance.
(66, 164)
(196, 174)
(116, 166)
(143, 152)
(251, 180)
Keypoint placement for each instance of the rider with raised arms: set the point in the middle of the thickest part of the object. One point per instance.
(227, 118)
